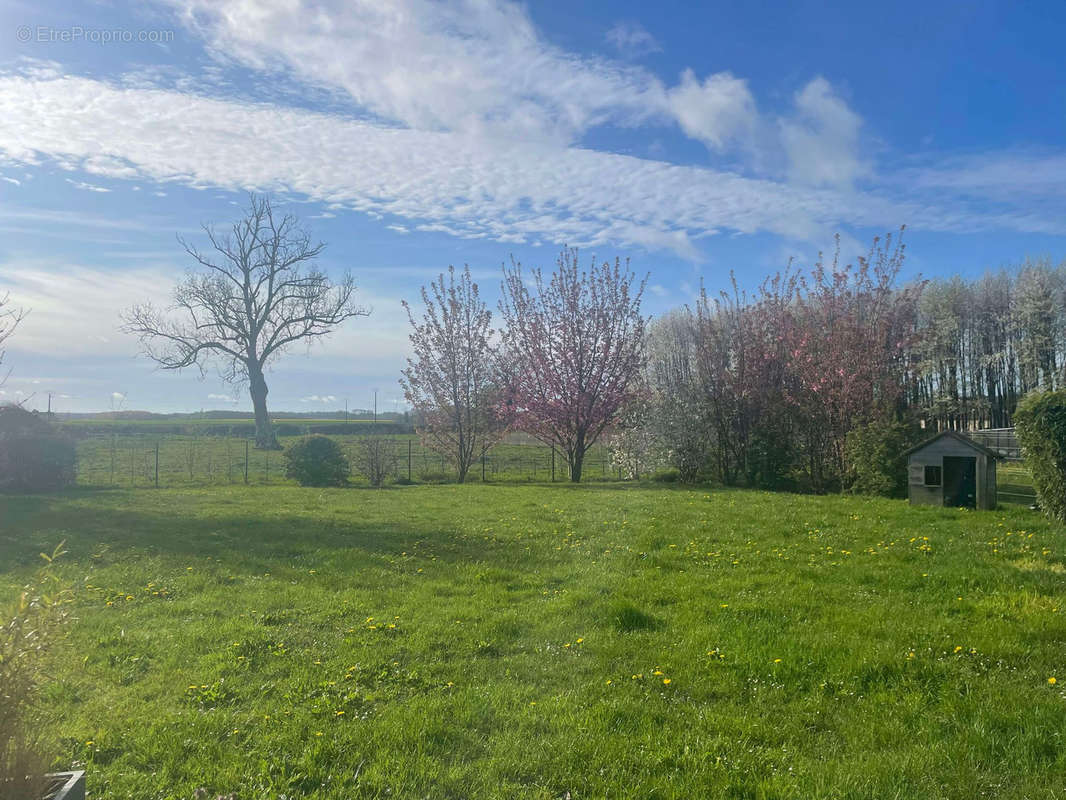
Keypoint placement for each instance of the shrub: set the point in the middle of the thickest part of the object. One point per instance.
(1040, 424)
(875, 460)
(317, 461)
(376, 458)
(668, 475)
(27, 630)
(34, 455)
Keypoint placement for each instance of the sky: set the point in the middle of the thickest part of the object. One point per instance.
(694, 139)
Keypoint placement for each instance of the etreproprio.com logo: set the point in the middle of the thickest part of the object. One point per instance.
(44, 34)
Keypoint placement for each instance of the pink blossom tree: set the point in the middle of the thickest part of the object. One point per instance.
(575, 349)
(451, 381)
(853, 328)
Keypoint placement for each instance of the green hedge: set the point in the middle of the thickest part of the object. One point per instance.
(1040, 424)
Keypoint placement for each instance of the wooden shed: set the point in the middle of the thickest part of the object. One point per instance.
(952, 470)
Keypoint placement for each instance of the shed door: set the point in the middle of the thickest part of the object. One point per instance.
(960, 481)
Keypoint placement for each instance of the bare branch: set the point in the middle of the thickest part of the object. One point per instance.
(259, 292)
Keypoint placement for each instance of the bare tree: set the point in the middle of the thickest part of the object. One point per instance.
(10, 317)
(261, 292)
(451, 380)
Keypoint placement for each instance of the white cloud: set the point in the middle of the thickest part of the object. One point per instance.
(314, 398)
(471, 65)
(88, 187)
(508, 190)
(632, 39)
(466, 187)
(75, 309)
(821, 138)
(717, 111)
(223, 397)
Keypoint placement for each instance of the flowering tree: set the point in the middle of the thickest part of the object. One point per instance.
(743, 376)
(852, 330)
(450, 381)
(575, 345)
(677, 416)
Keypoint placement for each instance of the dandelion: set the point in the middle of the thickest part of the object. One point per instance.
(666, 681)
(608, 682)
(657, 672)
(777, 660)
(580, 640)
(958, 648)
(1051, 681)
(339, 713)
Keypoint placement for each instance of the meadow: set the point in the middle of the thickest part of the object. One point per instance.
(199, 457)
(528, 641)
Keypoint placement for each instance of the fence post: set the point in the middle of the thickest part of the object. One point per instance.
(408, 459)
(246, 462)
(157, 464)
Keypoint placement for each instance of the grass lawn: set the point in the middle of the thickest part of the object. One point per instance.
(526, 641)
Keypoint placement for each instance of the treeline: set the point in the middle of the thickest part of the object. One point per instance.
(986, 343)
(819, 380)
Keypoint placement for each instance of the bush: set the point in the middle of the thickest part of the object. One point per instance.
(376, 458)
(874, 453)
(27, 630)
(1040, 424)
(668, 475)
(317, 461)
(34, 455)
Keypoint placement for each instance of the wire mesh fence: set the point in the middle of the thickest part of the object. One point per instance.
(153, 460)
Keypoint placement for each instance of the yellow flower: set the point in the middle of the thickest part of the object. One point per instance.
(608, 682)
(340, 713)
(777, 660)
(1051, 681)
(666, 681)
(657, 672)
(580, 640)
(958, 648)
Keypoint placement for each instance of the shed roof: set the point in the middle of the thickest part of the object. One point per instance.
(966, 440)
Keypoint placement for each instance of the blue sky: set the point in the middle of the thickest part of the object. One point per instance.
(411, 135)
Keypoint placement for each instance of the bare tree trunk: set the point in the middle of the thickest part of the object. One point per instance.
(264, 431)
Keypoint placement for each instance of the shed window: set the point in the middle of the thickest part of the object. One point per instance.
(933, 476)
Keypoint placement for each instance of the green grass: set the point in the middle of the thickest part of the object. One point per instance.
(507, 642)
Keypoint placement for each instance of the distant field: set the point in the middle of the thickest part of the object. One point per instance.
(211, 460)
(606, 641)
